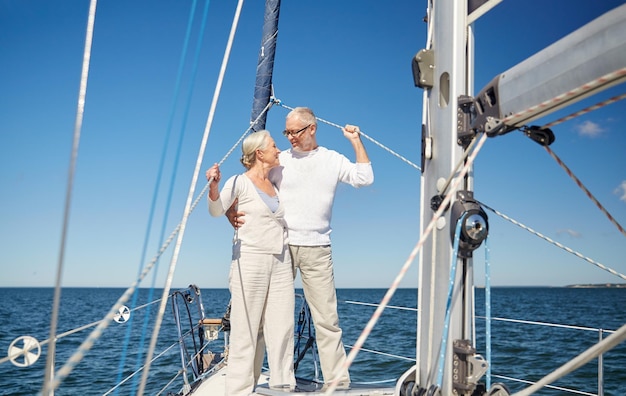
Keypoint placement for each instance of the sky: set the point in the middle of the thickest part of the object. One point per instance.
(350, 61)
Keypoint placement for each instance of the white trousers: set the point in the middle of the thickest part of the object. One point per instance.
(318, 282)
(262, 297)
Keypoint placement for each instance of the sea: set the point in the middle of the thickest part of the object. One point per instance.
(523, 348)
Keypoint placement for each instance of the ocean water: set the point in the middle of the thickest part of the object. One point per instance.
(519, 350)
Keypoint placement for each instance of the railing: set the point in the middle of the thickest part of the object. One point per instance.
(600, 332)
(600, 371)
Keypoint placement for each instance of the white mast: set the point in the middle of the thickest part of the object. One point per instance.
(450, 53)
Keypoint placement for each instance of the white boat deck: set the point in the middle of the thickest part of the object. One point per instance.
(316, 389)
(215, 385)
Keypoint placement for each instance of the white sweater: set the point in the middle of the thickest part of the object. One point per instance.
(307, 182)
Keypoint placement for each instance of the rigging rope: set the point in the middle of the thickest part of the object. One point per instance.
(587, 192)
(568, 171)
(390, 292)
(48, 386)
(586, 110)
(451, 282)
(557, 244)
(280, 103)
(488, 310)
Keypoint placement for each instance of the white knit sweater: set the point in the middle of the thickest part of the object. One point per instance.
(307, 182)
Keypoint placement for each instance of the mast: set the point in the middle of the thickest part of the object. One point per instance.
(265, 65)
(446, 362)
(449, 59)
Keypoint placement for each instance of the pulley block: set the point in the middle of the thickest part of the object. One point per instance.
(474, 227)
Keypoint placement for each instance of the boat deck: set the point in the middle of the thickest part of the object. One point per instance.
(316, 389)
(215, 385)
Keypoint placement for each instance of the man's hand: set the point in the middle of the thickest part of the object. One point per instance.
(235, 218)
(353, 134)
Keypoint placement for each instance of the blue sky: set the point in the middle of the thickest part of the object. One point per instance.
(351, 63)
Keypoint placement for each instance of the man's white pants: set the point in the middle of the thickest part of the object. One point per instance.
(318, 283)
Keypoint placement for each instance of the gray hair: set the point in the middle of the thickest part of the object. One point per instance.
(304, 114)
(253, 142)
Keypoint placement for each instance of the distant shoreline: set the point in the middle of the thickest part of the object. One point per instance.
(599, 285)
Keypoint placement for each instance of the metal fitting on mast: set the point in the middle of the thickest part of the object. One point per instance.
(475, 225)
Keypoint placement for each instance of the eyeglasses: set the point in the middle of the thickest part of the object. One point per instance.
(295, 133)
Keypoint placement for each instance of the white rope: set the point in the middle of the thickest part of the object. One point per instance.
(48, 387)
(575, 253)
(279, 102)
(187, 211)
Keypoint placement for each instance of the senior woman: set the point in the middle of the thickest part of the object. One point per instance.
(261, 278)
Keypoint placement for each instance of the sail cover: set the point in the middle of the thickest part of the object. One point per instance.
(265, 65)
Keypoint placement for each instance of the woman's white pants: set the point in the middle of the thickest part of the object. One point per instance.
(262, 297)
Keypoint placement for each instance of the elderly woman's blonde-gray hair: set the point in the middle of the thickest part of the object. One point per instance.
(253, 142)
